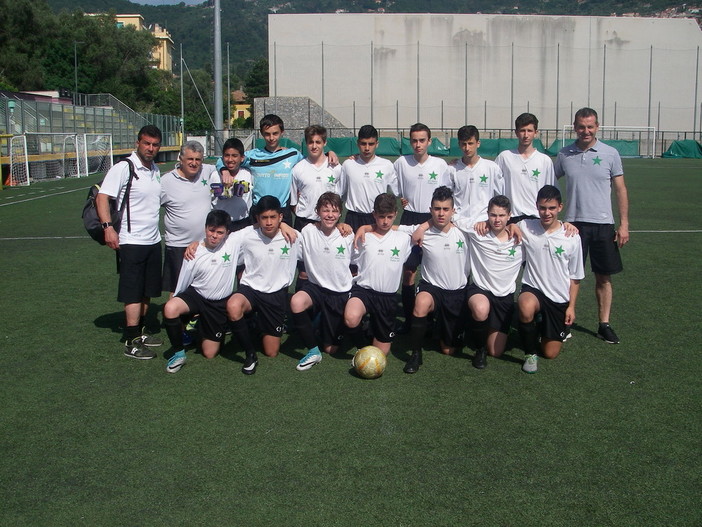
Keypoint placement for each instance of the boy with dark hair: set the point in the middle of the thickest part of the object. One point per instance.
(379, 259)
(327, 255)
(269, 261)
(525, 169)
(418, 175)
(363, 177)
(474, 179)
(554, 268)
(204, 286)
(236, 196)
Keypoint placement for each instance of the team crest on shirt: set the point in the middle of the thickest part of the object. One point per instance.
(395, 254)
(535, 174)
(559, 252)
(284, 252)
(511, 254)
(460, 247)
(483, 181)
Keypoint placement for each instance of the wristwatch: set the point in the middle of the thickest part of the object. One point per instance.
(106, 224)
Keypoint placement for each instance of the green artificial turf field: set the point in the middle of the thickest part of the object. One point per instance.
(603, 435)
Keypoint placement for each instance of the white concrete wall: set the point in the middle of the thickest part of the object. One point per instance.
(425, 67)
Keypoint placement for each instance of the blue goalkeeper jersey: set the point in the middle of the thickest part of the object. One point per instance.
(272, 172)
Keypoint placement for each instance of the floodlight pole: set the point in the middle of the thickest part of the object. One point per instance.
(218, 114)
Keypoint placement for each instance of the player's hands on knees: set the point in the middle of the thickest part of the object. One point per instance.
(190, 251)
(570, 229)
(621, 236)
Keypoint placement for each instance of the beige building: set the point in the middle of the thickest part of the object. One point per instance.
(162, 54)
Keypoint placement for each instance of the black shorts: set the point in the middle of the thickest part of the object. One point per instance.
(501, 308)
(270, 307)
(172, 262)
(213, 313)
(331, 305)
(450, 308)
(414, 218)
(358, 219)
(598, 240)
(139, 272)
(382, 308)
(552, 314)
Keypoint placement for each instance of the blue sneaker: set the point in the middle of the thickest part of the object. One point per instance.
(309, 360)
(176, 362)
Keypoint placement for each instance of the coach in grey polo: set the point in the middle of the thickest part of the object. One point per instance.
(591, 169)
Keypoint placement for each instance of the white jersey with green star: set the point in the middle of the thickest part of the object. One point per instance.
(186, 203)
(308, 183)
(360, 182)
(326, 258)
(474, 186)
(524, 177)
(445, 262)
(552, 260)
(380, 260)
(494, 264)
(270, 262)
(212, 272)
(418, 181)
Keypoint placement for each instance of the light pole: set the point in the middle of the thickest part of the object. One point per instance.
(75, 69)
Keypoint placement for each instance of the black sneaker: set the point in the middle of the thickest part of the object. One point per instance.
(136, 350)
(480, 359)
(249, 367)
(606, 333)
(413, 363)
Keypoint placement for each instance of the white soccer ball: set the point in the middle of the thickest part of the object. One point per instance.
(369, 362)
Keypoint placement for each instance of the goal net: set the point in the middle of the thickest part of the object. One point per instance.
(96, 152)
(19, 163)
(630, 141)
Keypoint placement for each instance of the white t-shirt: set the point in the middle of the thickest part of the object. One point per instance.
(473, 187)
(380, 261)
(212, 271)
(187, 203)
(326, 258)
(270, 262)
(144, 201)
(552, 260)
(524, 177)
(360, 183)
(445, 262)
(308, 183)
(417, 181)
(494, 264)
(237, 207)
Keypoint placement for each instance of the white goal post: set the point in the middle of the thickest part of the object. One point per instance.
(630, 141)
(19, 162)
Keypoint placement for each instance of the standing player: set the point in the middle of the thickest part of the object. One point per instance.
(445, 269)
(327, 255)
(379, 259)
(204, 286)
(138, 241)
(474, 180)
(187, 199)
(364, 177)
(269, 261)
(235, 198)
(591, 168)
(525, 169)
(418, 175)
(554, 268)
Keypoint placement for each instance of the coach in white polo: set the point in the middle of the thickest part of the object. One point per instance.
(591, 169)
(139, 241)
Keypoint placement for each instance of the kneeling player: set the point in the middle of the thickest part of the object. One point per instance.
(379, 258)
(554, 268)
(204, 286)
(326, 254)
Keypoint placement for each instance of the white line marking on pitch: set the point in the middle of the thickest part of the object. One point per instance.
(41, 197)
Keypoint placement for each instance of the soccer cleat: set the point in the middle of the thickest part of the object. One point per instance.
(309, 360)
(480, 359)
(568, 334)
(531, 363)
(249, 367)
(606, 333)
(191, 325)
(136, 350)
(176, 362)
(413, 363)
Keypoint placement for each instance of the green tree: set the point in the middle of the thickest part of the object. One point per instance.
(257, 80)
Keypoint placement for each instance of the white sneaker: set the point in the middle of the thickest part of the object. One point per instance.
(309, 360)
(175, 363)
(531, 363)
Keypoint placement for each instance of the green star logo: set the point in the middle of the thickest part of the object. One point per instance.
(483, 178)
(285, 249)
(460, 244)
(596, 161)
(340, 249)
(395, 251)
(559, 250)
(330, 179)
(379, 174)
(226, 257)
(512, 251)
(433, 175)
(204, 183)
(535, 173)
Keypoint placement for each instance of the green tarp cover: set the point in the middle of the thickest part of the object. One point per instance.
(625, 148)
(492, 147)
(436, 148)
(684, 149)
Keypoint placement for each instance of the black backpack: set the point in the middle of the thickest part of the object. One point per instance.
(91, 221)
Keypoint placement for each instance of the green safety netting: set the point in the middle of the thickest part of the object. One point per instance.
(625, 148)
(436, 148)
(686, 148)
(492, 147)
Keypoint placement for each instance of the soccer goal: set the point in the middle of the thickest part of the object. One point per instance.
(19, 162)
(96, 152)
(630, 141)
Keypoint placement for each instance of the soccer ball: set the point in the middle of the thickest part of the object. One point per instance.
(369, 362)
